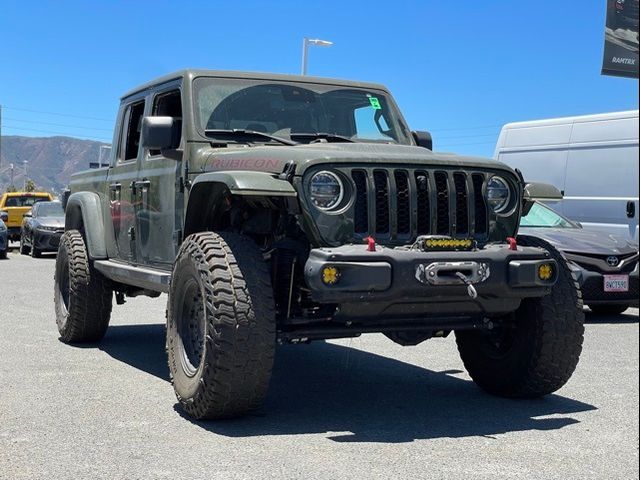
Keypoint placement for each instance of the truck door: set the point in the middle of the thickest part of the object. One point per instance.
(158, 189)
(121, 180)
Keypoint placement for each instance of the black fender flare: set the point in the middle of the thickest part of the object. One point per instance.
(84, 213)
(209, 188)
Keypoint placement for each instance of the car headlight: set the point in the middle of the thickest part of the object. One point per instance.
(498, 194)
(326, 190)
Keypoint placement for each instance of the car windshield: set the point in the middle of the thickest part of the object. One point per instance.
(289, 109)
(50, 210)
(23, 201)
(541, 216)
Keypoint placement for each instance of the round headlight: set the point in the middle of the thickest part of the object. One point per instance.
(325, 190)
(498, 194)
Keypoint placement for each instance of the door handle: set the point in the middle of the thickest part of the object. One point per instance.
(114, 191)
(140, 184)
(631, 209)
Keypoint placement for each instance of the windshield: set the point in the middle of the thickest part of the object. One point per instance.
(50, 210)
(288, 109)
(541, 216)
(23, 201)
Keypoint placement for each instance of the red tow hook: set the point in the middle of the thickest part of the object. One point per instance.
(371, 244)
(513, 244)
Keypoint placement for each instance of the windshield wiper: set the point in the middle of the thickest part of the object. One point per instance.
(239, 132)
(329, 137)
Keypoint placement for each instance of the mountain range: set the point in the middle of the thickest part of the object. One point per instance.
(50, 160)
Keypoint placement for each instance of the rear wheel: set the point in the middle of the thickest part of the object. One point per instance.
(614, 309)
(220, 325)
(82, 295)
(535, 350)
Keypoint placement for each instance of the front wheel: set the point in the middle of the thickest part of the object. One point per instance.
(535, 350)
(82, 295)
(35, 252)
(24, 250)
(220, 325)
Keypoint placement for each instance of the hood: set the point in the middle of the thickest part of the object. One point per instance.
(578, 240)
(273, 158)
(50, 222)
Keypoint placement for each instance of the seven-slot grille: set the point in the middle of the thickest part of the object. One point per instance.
(400, 204)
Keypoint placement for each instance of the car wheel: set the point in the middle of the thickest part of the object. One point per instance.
(3, 254)
(535, 350)
(220, 325)
(24, 250)
(608, 309)
(35, 252)
(82, 295)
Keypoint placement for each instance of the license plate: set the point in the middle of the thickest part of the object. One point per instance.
(616, 283)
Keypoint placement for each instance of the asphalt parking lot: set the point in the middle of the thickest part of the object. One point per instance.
(354, 409)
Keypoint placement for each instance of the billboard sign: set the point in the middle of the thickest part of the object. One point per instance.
(621, 39)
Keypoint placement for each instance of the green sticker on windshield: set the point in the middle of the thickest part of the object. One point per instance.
(375, 103)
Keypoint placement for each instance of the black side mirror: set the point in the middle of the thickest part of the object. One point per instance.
(28, 215)
(160, 133)
(423, 139)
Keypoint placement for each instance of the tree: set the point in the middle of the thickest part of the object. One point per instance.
(30, 186)
(11, 188)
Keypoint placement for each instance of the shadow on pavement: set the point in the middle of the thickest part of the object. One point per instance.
(141, 346)
(357, 396)
(627, 317)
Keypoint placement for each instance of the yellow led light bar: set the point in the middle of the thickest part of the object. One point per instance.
(444, 243)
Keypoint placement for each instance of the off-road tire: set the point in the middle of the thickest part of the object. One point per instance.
(221, 307)
(82, 295)
(543, 340)
(24, 250)
(613, 309)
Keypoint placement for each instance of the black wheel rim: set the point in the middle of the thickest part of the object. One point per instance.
(191, 325)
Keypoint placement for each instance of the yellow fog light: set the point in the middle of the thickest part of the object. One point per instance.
(545, 271)
(330, 275)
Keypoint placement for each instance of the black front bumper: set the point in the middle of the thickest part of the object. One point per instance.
(592, 286)
(47, 241)
(391, 284)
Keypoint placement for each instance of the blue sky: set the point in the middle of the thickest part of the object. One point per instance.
(459, 69)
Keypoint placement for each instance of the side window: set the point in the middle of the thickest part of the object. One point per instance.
(169, 104)
(367, 126)
(132, 126)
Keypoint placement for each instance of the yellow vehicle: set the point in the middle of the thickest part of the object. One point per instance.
(16, 204)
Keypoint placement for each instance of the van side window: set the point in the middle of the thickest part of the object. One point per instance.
(169, 104)
(132, 125)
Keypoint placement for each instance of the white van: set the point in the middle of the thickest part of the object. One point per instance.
(591, 159)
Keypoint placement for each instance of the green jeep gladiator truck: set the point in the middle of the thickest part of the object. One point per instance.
(284, 209)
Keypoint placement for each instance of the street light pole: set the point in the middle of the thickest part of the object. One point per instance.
(305, 47)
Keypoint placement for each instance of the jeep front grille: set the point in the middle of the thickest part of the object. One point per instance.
(400, 204)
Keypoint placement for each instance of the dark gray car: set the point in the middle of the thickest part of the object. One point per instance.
(606, 265)
(42, 228)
